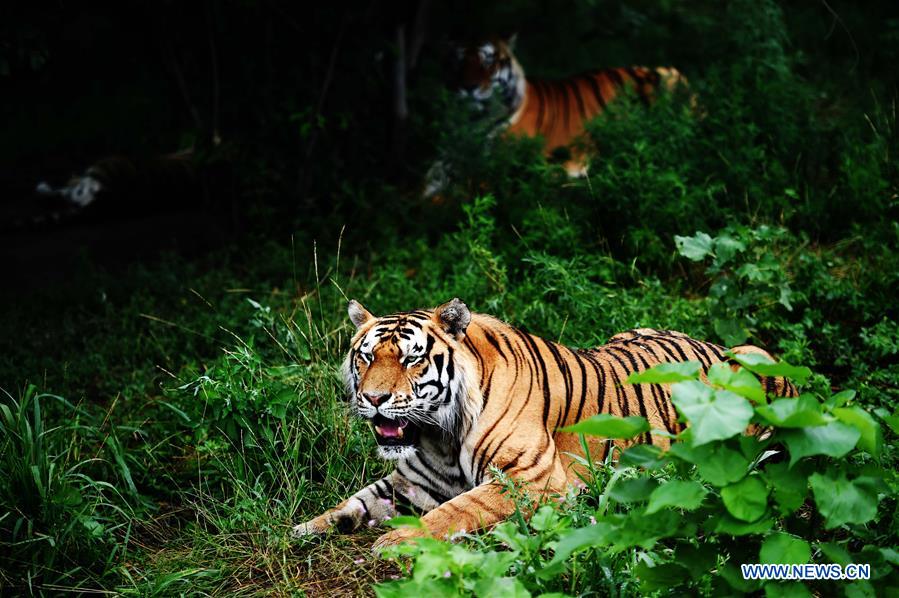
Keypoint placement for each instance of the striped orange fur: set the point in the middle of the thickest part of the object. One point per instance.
(556, 110)
(450, 394)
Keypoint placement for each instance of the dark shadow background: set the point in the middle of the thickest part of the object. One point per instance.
(303, 103)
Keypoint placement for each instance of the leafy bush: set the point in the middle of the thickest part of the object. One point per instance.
(811, 489)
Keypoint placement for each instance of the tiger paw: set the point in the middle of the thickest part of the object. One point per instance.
(397, 536)
(313, 527)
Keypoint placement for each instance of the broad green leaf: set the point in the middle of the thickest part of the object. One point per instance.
(579, 539)
(793, 412)
(871, 437)
(666, 373)
(713, 414)
(676, 493)
(836, 553)
(636, 529)
(790, 485)
(893, 421)
(694, 248)
(784, 548)
(731, 573)
(731, 331)
(741, 382)
(786, 589)
(890, 555)
(699, 559)
(663, 576)
(501, 587)
(405, 521)
(630, 491)
(834, 440)
(840, 398)
(727, 524)
(545, 518)
(860, 589)
(746, 500)
(642, 455)
(727, 247)
(715, 462)
(610, 426)
(684, 451)
(841, 500)
(721, 466)
(763, 365)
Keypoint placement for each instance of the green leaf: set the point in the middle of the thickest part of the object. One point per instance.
(715, 462)
(579, 539)
(793, 412)
(784, 548)
(631, 491)
(890, 555)
(836, 553)
(666, 373)
(501, 587)
(665, 575)
(741, 382)
(694, 248)
(405, 521)
(731, 331)
(861, 589)
(892, 421)
(721, 466)
(840, 399)
(841, 500)
(642, 455)
(786, 589)
(699, 559)
(734, 577)
(790, 485)
(746, 500)
(676, 493)
(871, 439)
(610, 426)
(713, 414)
(636, 529)
(764, 366)
(834, 440)
(545, 518)
(727, 247)
(727, 524)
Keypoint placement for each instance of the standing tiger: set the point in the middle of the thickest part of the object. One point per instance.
(450, 393)
(487, 72)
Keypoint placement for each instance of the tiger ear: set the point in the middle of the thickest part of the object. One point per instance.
(454, 317)
(510, 40)
(358, 314)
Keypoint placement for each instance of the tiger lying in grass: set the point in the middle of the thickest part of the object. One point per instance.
(486, 74)
(450, 393)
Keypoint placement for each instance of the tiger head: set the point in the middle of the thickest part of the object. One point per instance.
(486, 67)
(407, 376)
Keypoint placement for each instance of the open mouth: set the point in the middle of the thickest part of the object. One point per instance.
(394, 432)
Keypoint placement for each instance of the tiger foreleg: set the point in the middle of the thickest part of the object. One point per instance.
(487, 504)
(371, 506)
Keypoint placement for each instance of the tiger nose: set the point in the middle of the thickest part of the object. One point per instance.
(376, 398)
